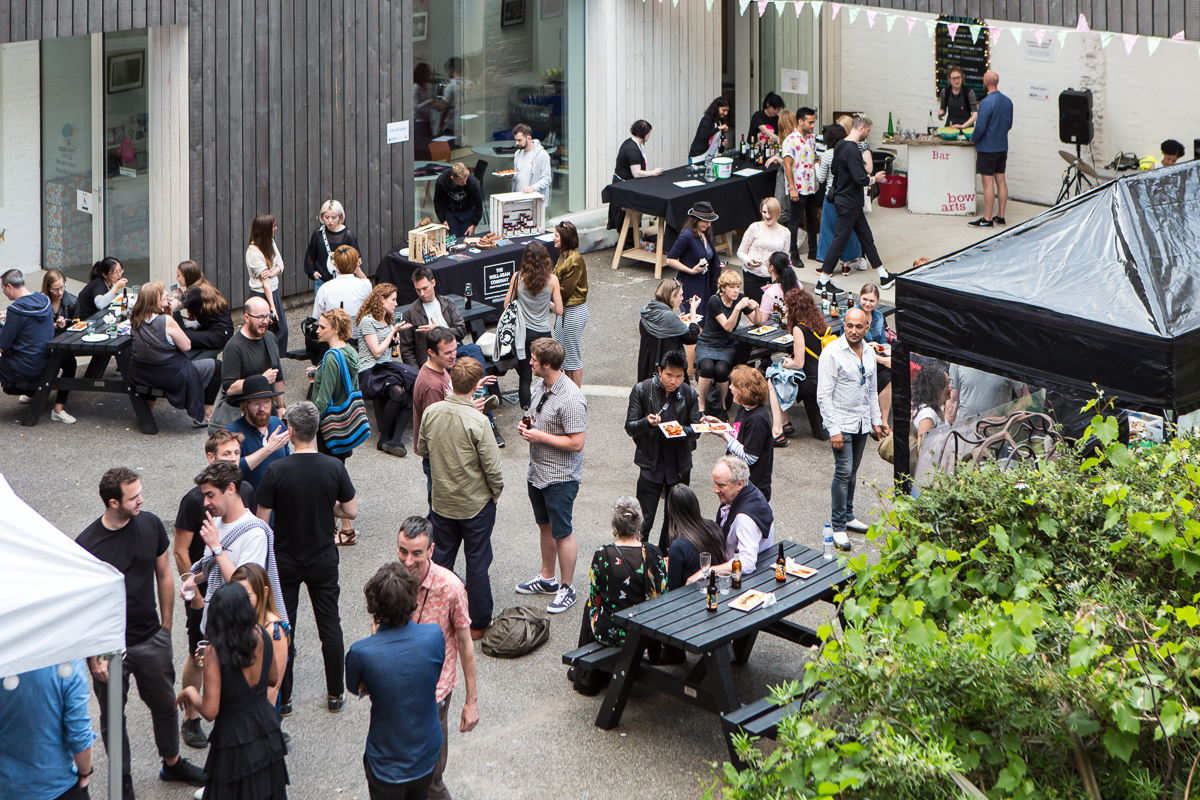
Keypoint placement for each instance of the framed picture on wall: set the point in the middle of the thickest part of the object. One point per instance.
(420, 25)
(552, 8)
(512, 12)
(126, 71)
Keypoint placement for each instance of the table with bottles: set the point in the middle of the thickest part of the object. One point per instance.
(721, 638)
(771, 339)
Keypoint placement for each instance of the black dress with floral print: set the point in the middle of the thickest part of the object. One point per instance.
(622, 576)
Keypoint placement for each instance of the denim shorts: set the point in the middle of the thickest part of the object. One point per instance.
(554, 505)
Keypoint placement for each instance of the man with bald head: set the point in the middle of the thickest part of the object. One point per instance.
(991, 149)
(252, 352)
(849, 403)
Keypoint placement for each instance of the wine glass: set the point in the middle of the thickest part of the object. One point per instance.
(705, 564)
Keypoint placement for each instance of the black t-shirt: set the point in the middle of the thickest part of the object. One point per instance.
(243, 357)
(714, 334)
(754, 432)
(220, 321)
(704, 133)
(87, 297)
(190, 516)
(133, 550)
(301, 490)
(627, 156)
(757, 120)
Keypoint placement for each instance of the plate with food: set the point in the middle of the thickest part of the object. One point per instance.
(799, 570)
(763, 330)
(672, 430)
(787, 338)
(713, 427)
(78, 326)
(748, 600)
(504, 173)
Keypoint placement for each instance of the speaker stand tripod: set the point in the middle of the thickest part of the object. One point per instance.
(1075, 175)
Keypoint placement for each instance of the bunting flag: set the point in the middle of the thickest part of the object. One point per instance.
(1105, 38)
(1152, 43)
(910, 22)
(891, 20)
(996, 35)
(744, 4)
(1040, 36)
(930, 27)
(1082, 25)
(871, 18)
(762, 6)
(1177, 37)
(853, 12)
(779, 9)
(836, 8)
(709, 4)
(815, 5)
(975, 31)
(1062, 38)
(1130, 41)
(953, 26)
(799, 7)
(1017, 32)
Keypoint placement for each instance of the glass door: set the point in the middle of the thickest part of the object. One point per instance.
(786, 48)
(126, 132)
(72, 219)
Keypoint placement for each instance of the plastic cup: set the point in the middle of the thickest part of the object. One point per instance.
(724, 581)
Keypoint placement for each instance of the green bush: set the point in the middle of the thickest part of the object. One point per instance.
(1026, 633)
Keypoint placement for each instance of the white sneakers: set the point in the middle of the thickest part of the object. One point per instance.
(23, 400)
(62, 417)
(857, 526)
(841, 540)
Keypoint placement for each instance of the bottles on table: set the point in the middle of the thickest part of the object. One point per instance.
(827, 542)
(780, 566)
(736, 571)
(711, 592)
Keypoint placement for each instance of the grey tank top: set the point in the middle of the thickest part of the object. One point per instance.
(150, 343)
(535, 308)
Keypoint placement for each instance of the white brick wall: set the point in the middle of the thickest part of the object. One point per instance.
(884, 72)
(20, 157)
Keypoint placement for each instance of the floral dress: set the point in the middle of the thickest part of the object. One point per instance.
(622, 577)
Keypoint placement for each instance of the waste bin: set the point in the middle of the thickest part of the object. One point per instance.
(893, 191)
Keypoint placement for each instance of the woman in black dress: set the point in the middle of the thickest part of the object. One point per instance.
(631, 163)
(691, 534)
(711, 130)
(104, 284)
(753, 442)
(331, 234)
(245, 748)
(208, 325)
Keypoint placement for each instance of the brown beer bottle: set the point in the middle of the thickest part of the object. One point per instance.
(527, 419)
(711, 591)
(736, 571)
(780, 566)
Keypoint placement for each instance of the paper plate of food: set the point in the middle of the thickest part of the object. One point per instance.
(78, 326)
(504, 173)
(762, 330)
(713, 427)
(787, 338)
(748, 600)
(672, 430)
(799, 570)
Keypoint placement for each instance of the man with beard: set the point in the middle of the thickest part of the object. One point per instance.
(264, 437)
(251, 352)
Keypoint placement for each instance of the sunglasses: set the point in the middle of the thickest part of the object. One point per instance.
(862, 375)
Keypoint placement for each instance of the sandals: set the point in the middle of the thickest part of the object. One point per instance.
(346, 538)
(789, 430)
(781, 441)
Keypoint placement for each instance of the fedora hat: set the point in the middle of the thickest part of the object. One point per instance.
(256, 387)
(704, 211)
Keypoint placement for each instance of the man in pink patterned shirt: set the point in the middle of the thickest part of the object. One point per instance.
(800, 170)
(441, 599)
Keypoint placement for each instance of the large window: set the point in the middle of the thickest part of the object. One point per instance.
(493, 64)
(786, 48)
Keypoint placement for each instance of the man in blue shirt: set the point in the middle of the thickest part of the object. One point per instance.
(398, 666)
(266, 437)
(46, 735)
(991, 148)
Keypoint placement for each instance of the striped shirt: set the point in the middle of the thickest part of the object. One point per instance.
(561, 410)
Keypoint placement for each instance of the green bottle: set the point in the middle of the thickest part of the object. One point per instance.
(890, 132)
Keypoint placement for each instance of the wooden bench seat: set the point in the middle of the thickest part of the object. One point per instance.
(593, 656)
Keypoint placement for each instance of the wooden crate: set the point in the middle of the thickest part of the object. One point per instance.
(518, 214)
(427, 242)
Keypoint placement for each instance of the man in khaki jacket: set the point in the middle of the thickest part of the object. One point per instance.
(467, 480)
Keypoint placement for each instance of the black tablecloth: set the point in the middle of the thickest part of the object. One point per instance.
(488, 272)
(734, 199)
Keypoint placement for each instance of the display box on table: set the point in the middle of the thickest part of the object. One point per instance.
(518, 214)
(427, 242)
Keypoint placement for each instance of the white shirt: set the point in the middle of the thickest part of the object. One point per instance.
(745, 538)
(250, 546)
(532, 169)
(433, 313)
(846, 392)
(256, 264)
(344, 291)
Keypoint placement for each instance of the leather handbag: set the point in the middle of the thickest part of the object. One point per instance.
(345, 426)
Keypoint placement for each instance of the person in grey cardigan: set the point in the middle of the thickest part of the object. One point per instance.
(531, 162)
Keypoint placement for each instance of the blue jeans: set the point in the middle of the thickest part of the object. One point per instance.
(282, 336)
(459, 221)
(845, 477)
(318, 282)
(474, 535)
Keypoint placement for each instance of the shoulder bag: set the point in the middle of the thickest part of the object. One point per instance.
(345, 426)
(505, 343)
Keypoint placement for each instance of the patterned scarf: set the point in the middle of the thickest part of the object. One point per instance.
(208, 565)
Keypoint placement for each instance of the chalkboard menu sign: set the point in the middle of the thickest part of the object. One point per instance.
(970, 56)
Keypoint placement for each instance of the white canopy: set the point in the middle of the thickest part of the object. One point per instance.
(57, 601)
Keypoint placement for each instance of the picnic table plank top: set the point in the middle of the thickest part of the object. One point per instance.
(767, 340)
(478, 307)
(72, 341)
(681, 619)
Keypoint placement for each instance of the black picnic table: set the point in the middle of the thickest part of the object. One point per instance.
(770, 341)
(71, 343)
(721, 638)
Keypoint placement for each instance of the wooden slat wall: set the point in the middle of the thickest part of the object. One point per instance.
(289, 102)
(647, 61)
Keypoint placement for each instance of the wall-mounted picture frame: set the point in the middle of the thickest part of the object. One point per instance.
(420, 25)
(512, 12)
(126, 71)
(552, 8)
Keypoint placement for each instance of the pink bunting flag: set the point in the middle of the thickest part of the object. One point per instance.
(910, 22)
(871, 18)
(996, 35)
(1130, 41)
(1178, 37)
(953, 26)
(799, 4)
(1040, 36)
(836, 8)
(762, 6)
(1082, 26)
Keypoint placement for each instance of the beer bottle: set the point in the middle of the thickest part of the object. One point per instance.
(736, 571)
(527, 419)
(711, 592)
(833, 308)
(780, 566)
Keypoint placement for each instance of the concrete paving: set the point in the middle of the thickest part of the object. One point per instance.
(536, 737)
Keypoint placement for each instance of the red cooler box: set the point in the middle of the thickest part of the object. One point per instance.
(893, 191)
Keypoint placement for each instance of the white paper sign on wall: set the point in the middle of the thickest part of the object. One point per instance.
(1038, 51)
(1039, 91)
(794, 81)
(83, 201)
(397, 132)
